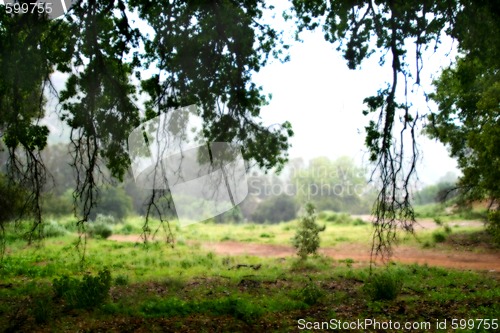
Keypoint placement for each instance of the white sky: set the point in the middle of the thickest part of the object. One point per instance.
(322, 99)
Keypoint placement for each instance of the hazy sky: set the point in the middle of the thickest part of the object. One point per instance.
(322, 99)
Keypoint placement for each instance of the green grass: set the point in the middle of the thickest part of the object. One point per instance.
(445, 212)
(157, 287)
(343, 229)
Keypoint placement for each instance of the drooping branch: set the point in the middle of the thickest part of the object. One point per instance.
(388, 25)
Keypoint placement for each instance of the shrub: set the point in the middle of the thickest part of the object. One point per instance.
(58, 205)
(438, 221)
(493, 227)
(99, 230)
(276, 209)
(332, 218)
(359, 221)
(311, 293)
(439, 236)
(53, 229)
(90, 292)
(121, 280)
(306, 239)
(384, 286)
(42, 309)
(127, 229)
(12, 196)
(105, 219)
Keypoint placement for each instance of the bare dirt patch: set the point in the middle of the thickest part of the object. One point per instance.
(360, 253)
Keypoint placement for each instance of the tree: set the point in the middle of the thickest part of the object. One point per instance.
(30, 49)
(445, 189)
(275, 209)
(306, 239)
(468, 99)
(203, 53)
(114, 202)
(331, 185)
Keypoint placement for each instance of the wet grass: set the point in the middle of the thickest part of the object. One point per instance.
(190, 289)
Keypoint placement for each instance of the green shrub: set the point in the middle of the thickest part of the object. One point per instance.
(127, 229)
(42, 309)
(12, 196)
(323, 214)
(332, 218)
(105, 219)
(306, 239)
(58, 205)
(275, 209)
(53, 229)
(99, 230)
(91, 291)
(311, 293)
(493, 227)
(359, 221)
(438, 236)
(427, 245)
(384, 286)
(121, 280)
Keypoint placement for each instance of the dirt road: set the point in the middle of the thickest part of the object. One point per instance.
(360, 253)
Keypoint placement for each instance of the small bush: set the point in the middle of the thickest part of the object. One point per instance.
(53, 229)
(438, 221)
(275, 209)
(121, 280)
(306, 239)
(105, 219)
(493, 227)
(90, 292)
(127, 229)
(42, 309)
(427, 245)
(359, 221)
(99, 230)
(439, 236)
(384, 286)
(311, 293)
(328, 216)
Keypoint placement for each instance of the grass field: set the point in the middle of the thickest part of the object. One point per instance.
(191, 289)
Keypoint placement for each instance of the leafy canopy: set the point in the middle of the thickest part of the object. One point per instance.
(200, 53)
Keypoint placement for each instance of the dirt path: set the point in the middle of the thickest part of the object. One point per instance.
(360, 253)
